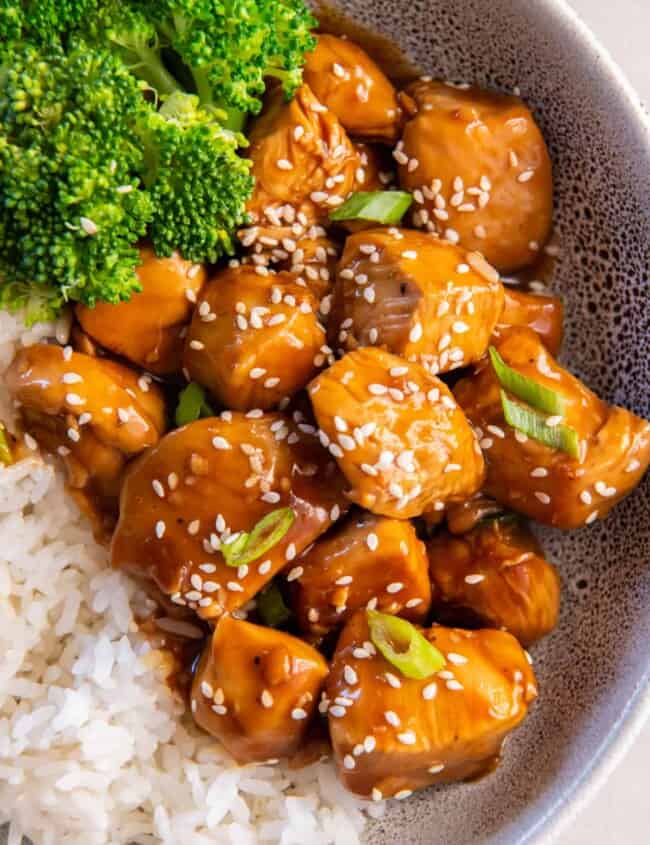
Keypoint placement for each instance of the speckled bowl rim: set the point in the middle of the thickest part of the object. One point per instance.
(636, 712)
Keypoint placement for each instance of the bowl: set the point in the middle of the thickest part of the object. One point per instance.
(594, 670)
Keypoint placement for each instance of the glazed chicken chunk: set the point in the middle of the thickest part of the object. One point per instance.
(369, 561)
(94, 413)
(254, 339)
(399, 437)
(149, 328)
(393, 734)
(351, 85)
(210, 480)
(545, 483)
(495, 576)
(303, 163)
(256, 689)
(422, 298)
(543, 314)
(478, 167)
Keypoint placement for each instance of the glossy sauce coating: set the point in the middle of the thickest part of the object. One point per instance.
(416, 296)
(304, 164)
(94, 413)
(210, 479)
(482, 170)
(543, 314)
(368, 561)
(547, 484)
(354, 88)
(399, 437)
(496, 576)
(254, 339)
(148, 329)
(256, 690)
(392, 735)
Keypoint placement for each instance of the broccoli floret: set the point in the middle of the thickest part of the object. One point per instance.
(197, 181)
(40, 21)
(70, 208)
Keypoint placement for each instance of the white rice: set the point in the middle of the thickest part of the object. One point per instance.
(93, 747)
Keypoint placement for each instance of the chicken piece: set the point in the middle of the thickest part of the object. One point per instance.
(478, 166)
(400, 439)
(242, 329)
(495, 576)
(416, 296)
(370, 560)
(94, 413)
(392, 734)
(256, 690)
(547, 484)
(376, 171)
(149, 328)
(304, 164)
(353, 87)
(543, 314)
(211, 479)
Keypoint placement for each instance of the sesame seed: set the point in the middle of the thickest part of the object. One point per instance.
(392, 718)
(343, 581)
(407, 738)
(220, 443)
(337, 711)
(497, 431)
(554, 420)
(395, 587)
(284, 164)
(266, 699)
(474, 578)
(207, 690)
(350, 676)
(71, 378)
(393, 680)
(196, 344)
(436, 768)
(271, 497)
(454, 685)
(539, 472)
(591, 518)
(219, 709)
(234, 587)
(158, 489)
(416, 333)
(74, 399)
(430, 691)
(89, 226)
(295, 573)
(633, 466)
(377, 389)
(210, 587)
(544, 498)
(74, 435)
(403, 793)
(160, 529)
(257, 372)
(456, 659)
(360, 653)
(526, 176)
(372, 541)
(459, 327)
(298, 713)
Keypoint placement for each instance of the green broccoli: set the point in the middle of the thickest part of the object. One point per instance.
(70, 209)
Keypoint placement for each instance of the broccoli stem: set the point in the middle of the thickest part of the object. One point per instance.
(149, 67)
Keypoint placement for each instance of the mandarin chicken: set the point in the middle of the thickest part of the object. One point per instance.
(602, 452)
(354, 88)
(245, 330)
(256, 690)
(402, 442)
(479, 170)
(495, 576)
(392, 735)
(149, 328)
(369, 561)
(94, 413)
(541, 313)
(208, 482)
(416, 296)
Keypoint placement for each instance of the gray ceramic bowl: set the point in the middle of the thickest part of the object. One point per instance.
(594, 670)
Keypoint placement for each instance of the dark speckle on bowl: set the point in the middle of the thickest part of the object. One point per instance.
(596, 662)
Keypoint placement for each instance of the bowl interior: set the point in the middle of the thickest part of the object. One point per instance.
(595, 664)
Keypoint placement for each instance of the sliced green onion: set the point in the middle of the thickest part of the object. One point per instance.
(531, 391)
(266, 534)
(6, 457)
(192, 404)
(404, 646)
(271, 607)
(378, 206)
(534, 425)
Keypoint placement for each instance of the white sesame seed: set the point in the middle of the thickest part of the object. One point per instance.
(196, 344)
(74, 399)
(377, 389)
(497, 431)
(350, 676)
(407, 738)
(413, 602)
(158, 489)
(542, 497)
(393, 680)
(360, 653)
(416, 333)
(454, 685)
(554, 420)
(539, 472)
(234, 587)
(430, 691)
(71, 378)
(593, 516)
(372, 541)
(347, 442)
(160, 529)
(89, 226)
(395, 587)
(257, 372)
(264, 568)
(436, 768)
(220, 443)
(633, 466)
(207, 690)
(526, 176)
(392, 718)
(284, 164)
(298, 713)
(474, 578)
(266, 699)
(337, 711)
(295, 573)
(219, 709)
(74, 435)
(456, 659)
